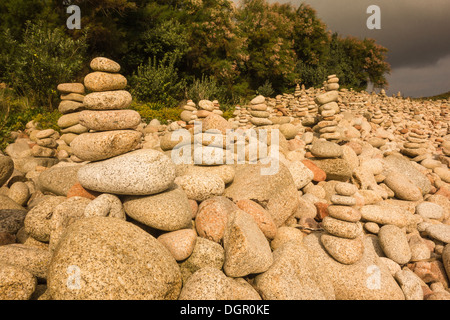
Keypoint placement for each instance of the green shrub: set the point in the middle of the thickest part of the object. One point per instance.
(205, 88)
(150, 111)
(266, 89)
(45, 58)
(158, 82)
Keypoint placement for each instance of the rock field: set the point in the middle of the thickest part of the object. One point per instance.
(324, 194)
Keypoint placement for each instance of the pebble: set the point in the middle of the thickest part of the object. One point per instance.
(16, 283)
(394, 243)
(110, 120)
(103, 81)
(201, 187)
(344, 213)
(439, 232)
(261, 216)
(430, 210)
(180, 243)
(340, 228)
(107, 100)
(346, 251)
(326, 149)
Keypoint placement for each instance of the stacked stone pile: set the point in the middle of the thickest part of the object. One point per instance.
(72, 96)
(328, 108)
(258, 112)
(343, 238)
(111, 126)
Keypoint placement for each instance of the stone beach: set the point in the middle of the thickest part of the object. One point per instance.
(323, 194)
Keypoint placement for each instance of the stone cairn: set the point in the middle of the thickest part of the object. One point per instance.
(111, 128)
(416, 145)
(46, 146)
(189, 113)
(72, 96)
(258, 112)
(342, 237)
(328, 108)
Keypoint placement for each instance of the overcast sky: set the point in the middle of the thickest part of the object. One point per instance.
(416, 32)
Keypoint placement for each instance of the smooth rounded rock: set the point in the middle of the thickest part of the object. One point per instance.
(180, 243)
(104, 64)
(102, 81)
(340, 228)
(114, 260)
(110, 120)
(141, 172)
(326, 149)
(104, 145)
(168, 211)
(107, 100)
(345, 251)
(6, 169)
(394, 243)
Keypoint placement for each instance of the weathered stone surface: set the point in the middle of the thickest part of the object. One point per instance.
(212, 284)
(326, 149)
(346, 251)
(6, 169)
(34, 260)
(168, 211)
(116, 260)
(141, 172)
(367, 279)
(110, 120)
(102, 81)
(291, 276)
(107, 100)
(58, 179)
(105, 205)
(212, 217)
(274, 192)
(201, 187)
(335, 169)
(394, 243)
(385, 215)
(104, 64)
(247, 250)
(104, 145)
(206, 253)
(38, 220)
(16, 283)
(180, 243)
(71, 88)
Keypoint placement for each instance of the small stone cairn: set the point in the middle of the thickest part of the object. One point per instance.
(258, 112)
(72, 96)
(342, 237)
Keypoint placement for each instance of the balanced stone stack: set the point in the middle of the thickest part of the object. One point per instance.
(217, 108)
(297, 91)
(416, 146)
(328, 108)
(258, 112)
(302, 110)
(111, 126)
(343, 236)
(72, 96)
(377, 117)
(205, 108)
(46, 144)
(189, 112)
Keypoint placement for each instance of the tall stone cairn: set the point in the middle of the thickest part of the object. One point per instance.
(111, 127)
(328, 108)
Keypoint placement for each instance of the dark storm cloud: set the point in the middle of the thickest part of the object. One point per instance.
(416, 33)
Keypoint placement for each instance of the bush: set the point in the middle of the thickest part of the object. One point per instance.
(16, 112)
(150, 111)
(45, 58)
(205, 88)
(158, 82)
(266, 89)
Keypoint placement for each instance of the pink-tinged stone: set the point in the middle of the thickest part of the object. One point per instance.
(261, 216)
(180, 243)
(212, 217)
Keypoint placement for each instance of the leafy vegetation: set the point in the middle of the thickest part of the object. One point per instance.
(172, 50)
